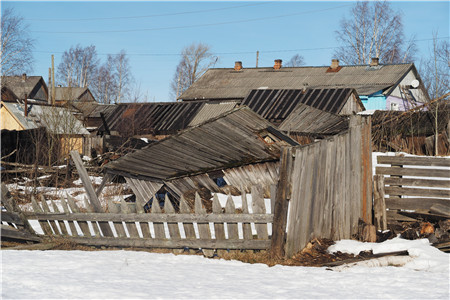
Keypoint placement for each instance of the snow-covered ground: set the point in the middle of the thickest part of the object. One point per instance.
(137, 275)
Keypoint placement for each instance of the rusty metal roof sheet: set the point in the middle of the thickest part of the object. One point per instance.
(236, 138)
(277, 105)
(227, 83)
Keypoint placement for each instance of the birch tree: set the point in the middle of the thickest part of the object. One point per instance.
(196, 59)
(296, 61)
(17, 45)
(374, 29)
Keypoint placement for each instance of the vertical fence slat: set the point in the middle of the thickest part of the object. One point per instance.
(246, 227)
(140, 203)
(379, 204)
(158, 226)
(131, 226)
(61, 224)
(116, 209)
(218, 227)
(203, 228)
(174, 231)
(188, 227)
(72, 227)
(259, 207)
(93, 223)
(83, 224)
(44, 224)
(230, 208)
(47, 211)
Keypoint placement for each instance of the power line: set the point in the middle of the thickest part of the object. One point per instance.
(234, 53)
(152, 16)
(196, 26)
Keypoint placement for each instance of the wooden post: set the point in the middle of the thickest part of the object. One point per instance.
(281, 204)
(53, 80)
(106, 229)
(379, 204)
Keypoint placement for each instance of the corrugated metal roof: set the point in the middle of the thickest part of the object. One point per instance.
(277, 105)
(227, 83)
(310, 120)
(236, 138)
(57, 120)
(211, 110)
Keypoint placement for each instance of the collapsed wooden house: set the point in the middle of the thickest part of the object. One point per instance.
(239, 146)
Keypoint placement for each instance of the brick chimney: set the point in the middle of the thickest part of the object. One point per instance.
(334, 64)
(237, 65)
(374, 62)
(24, 76)
(277, 64)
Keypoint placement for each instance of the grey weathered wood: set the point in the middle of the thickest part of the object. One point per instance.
(106, 178)
(246, 226)
(232, 227)
(83, 224)
(46, 210)
(203, 228)
(412, 172)
(379, 204)
(44, 224)
(259, 207)
(174, 231)
(414, 203)
(173, 243)
(106, 229)
(11, 217)
(13, 233)
(441, 209)
(66, 210)
(218, 226)
(414, 161)
(392, 190)
(131, 226)
(417, 182)
(158, 226)
(61, 224)
(94, 224)
(281, 204)
(188, 226)
(118, 225)
(141, 198)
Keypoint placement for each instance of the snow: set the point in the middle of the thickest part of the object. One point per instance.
(145, 140)
(137, 275)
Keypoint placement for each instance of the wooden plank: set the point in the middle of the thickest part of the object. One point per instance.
(403, 191)
(83, 224)
(281, 204)
(106, 178)
(13, 233)
(414, 161)
(61, 224)
(412, 172)
(174, 231)
(379, 204)
(203, 227)
(47, 210)
(141, 199)
(106, 229)
(94, 224)
(131, 226)
(219, 229)
(246, 226)
(173, 243)
(441, 209)
(232, 227)
(414, 203)
(118, 225)
(11, 217)
(393, 215)
(43, 223)
(417, 182)
(66, 210)
(259, 207)
(158, 226)
(188, 226)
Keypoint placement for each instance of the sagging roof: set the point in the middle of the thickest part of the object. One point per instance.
(58, 120)
(70, 93)
(277, 105)
(236, 138)
(161, 118)
(226, 83)
(93, 109)
(20, 85)
(308, 120)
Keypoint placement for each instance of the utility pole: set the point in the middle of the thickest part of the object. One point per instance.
(257, 58)
(49, 96)
(53, 80)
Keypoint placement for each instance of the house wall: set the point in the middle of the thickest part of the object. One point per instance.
(39, 92)
(417, 93)
(374, 102)
(403, 104)
(86, 97)
(8, 121)
(350, 107)
(69, 143)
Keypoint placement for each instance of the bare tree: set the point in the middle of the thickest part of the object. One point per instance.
(17, 45)
(78, 66)
(374, 29)
(196, 59)
(296, 61)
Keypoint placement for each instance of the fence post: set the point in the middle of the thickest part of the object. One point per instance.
(379, 204)
(281, 204)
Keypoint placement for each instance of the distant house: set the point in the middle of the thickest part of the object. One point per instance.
(90, 113)
(57, 120)
(383, 87)
(73, 94)
(15, 87)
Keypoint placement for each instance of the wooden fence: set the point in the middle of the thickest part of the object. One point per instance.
(331, 187)
(410, 184)
(131, 226)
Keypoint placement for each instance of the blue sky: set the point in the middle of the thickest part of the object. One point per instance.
(156, 32)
